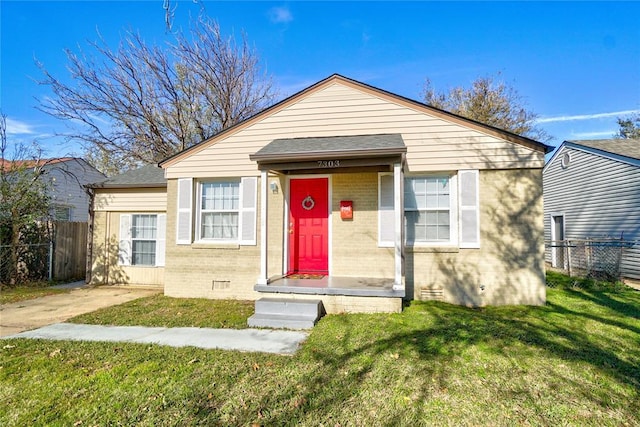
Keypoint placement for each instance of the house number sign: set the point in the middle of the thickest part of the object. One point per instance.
(328, 163)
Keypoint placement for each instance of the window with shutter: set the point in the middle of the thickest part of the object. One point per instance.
(227, 210)
(142, 239)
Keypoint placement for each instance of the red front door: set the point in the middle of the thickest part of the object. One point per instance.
(309, 225)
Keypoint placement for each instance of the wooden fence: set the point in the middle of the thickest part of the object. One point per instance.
(69, 250)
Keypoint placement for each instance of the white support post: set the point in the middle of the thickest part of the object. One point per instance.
(398, 283)
(264, 185)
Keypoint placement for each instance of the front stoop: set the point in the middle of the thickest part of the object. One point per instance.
(283, 313)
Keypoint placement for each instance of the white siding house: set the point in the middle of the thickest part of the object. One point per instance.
(592, 190)
(68, 176)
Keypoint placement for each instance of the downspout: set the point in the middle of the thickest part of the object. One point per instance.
(89, 262)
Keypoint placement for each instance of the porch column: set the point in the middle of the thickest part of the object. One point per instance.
(264, 177)
(398, 283)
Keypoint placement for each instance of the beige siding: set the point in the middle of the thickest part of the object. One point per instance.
(104, 261)
(131, 200)
(509, 266)
(433, 143)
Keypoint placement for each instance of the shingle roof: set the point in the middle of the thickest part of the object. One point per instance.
(8, 164)
(145, 176)
(363, 145)
(622, 147)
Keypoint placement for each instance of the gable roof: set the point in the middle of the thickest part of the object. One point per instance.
(380, 93)
(622, 150)
(623, 147)
(149, 176)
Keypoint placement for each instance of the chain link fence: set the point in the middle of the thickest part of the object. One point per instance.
(595, 258)
(34, 262)
(55, 252)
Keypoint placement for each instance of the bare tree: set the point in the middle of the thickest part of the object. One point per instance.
(24, 203)
(629, 127)
(489, 101)
(142, 103)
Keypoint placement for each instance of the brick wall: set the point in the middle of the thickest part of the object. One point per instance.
(355, 249)
(509, 266)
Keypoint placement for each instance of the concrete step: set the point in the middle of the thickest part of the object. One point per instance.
(286, 306)
(286, 313)
(281, 321)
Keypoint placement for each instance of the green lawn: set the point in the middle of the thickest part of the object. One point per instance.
(159, 310)
(575, 361)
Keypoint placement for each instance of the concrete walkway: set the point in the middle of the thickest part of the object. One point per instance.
(259, 340)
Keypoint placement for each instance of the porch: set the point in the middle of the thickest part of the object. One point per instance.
(333, 285)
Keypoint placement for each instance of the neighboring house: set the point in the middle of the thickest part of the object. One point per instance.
(67, 177)
(128, 228)
(592, 190)
(349, 194)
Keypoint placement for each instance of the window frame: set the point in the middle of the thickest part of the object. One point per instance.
(199, 212)
(125, 239)
(57, 208)
(136, 239)
(453, 240)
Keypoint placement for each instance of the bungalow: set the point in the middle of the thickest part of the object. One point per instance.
(342, 193)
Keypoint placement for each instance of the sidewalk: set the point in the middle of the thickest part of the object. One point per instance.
(259, 340)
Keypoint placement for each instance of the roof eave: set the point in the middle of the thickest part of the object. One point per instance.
(337, 154)
(116, 186)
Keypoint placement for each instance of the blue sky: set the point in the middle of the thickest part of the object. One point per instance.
(577, 64)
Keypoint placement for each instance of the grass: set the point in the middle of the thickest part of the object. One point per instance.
(159, 310)
(33, 290)
(574, 361)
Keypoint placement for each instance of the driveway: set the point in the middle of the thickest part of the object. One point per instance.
(31, 314)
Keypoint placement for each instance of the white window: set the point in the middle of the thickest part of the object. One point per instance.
(142, 239)
(439, 210)
(219, 210)
(428, 210)
(225, 212)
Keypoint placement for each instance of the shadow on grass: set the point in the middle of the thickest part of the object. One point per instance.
(347, 353)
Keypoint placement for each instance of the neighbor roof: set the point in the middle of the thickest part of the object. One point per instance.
(490, 130)
(331, 147)
(622, 147)
(149, 176)
(8, 164)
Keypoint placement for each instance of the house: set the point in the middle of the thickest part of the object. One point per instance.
(344, 193)
(592, 190)
(67, 177)
(128, 228)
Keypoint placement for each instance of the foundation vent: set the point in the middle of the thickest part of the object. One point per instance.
(432, 294)
(220, 284)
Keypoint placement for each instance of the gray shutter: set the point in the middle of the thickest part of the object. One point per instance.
(469, 209)
(386, 219)
(184, 218)
(124, 245)
(248, 214)
(161, 233)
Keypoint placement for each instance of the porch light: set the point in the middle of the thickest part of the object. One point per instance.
(274, 187)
